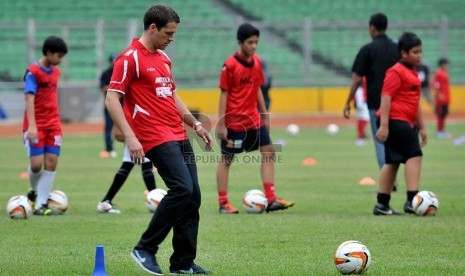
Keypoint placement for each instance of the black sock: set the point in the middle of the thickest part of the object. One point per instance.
(384, 199)
(147, 174)
(411, 195)
(118, 181)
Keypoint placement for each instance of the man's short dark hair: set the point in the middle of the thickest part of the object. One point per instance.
(54, 44)
(379, 21)
(443, 61)
(112, 57)
(245, 31)
(407, 41)
(160, 15)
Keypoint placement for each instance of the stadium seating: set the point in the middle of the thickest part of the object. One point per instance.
(206, 35)
(198, 53)
(338, 45)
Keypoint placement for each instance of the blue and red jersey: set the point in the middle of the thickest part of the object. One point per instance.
(43, 83)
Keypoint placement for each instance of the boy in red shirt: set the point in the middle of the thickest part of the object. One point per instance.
(42, 124)
(442, 95)
(400, 122)
(240, 127)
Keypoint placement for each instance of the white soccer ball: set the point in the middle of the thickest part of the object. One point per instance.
(352, 257)
(332, 129)
(293, 129)
(255, 202)
(255, 191)
(58, 202)
(153, 198)
(19, 207)
(425, 203)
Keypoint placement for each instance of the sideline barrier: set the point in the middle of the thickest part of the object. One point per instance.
(301, 100)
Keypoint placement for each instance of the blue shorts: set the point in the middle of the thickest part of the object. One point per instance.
(249, 140)
(48, 141)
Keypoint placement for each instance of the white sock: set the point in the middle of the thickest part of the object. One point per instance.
(44, 188)
(33, 178)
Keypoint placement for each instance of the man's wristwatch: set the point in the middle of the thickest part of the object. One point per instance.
(197, 126)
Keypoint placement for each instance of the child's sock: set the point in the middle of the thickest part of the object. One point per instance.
(411, 195)
(44, 187)
(147, 174)
(33, 178)
(384, 199)
(361, 124)
(222, 198)
(441, 123)
(269, 191)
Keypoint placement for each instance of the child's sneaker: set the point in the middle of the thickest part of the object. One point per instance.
(43, 211)
(228, 209)
(384, 210)
(107, 207)
(108, 154)
(408, 208)
(31, 196)
(279, 204)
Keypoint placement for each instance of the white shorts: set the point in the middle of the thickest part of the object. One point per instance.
(127, 156)
(362, 107)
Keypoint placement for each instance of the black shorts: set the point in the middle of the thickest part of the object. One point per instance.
(249, 140)
(402, 142)
(442, 110)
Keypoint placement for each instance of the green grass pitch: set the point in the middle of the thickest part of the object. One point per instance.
(331, 207)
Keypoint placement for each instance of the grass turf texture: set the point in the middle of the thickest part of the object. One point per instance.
(331, 207)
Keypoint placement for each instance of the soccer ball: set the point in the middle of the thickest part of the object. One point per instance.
(255, 191)
(58, 202)
(19, 207)
(332, 129)
(255, 202)
(153, 198)
(352, 257)
(425, 203)
(292, 129)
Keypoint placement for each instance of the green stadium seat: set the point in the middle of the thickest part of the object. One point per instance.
(199, 53)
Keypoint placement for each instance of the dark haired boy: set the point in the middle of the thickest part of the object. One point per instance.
(442, 96)
(152, 127)
(400, 121)
(240, 126)
(42, 123)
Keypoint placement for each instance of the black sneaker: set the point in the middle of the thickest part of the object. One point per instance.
(279, 204)
(32, 195)
(383, 210)
(43, 211)
(194, 269)
(146, 261)
(408, 208)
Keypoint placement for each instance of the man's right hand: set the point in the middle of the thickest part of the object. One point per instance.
(346, 111)
(135, 150)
